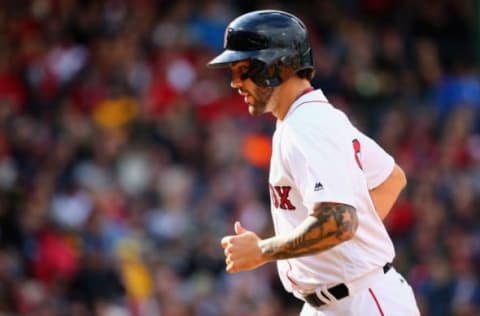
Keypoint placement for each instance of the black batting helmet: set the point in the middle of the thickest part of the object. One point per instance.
(271, 39)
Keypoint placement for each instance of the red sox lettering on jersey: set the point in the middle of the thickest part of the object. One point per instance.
(279, 196)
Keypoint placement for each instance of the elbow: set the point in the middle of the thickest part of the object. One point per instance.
(354, 225)
(350, 226)
(402, 178)
(347, 235)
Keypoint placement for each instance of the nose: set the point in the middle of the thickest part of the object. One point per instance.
(236, 82)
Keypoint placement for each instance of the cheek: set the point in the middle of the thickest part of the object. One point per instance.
(264, 93)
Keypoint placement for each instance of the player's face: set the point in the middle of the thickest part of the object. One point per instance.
(256, 97)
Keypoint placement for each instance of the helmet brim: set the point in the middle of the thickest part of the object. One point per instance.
(268, 56)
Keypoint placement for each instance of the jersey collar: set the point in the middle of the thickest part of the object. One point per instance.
(307, 97)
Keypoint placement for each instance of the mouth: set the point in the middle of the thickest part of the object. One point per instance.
(245, 95)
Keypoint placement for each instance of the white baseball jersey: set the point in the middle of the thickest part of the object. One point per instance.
(319, 156)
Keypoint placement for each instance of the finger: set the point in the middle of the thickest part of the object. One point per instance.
(228, 250)
(239, 228)
(225, 241)
(230, 267)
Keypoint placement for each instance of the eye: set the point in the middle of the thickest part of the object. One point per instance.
(243, 70)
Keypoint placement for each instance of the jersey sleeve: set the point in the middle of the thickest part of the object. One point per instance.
(317, 165)
(377, 164)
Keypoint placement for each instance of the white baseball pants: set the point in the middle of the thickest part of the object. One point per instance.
(389, 295)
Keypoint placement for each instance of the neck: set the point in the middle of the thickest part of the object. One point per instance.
(287, 93)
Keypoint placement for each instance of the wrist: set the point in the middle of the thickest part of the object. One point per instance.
(266, 248)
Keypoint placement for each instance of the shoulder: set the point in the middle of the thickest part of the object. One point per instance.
(317, 117)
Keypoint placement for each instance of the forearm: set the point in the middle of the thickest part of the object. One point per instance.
(329, 225)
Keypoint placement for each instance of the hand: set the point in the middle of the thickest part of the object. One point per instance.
(242, 250)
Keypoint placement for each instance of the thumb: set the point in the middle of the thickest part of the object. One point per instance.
(239, 228)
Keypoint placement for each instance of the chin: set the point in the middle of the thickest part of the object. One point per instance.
(255, 110)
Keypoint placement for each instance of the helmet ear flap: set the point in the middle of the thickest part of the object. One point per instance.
(293, 61)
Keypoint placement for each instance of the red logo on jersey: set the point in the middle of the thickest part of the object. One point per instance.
(279, 196)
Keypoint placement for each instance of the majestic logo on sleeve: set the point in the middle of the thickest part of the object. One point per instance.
(279, 196)
(318, 186)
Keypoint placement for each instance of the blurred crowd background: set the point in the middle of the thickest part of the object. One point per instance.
(123, 160)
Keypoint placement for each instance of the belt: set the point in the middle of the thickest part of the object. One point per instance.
(338, 291)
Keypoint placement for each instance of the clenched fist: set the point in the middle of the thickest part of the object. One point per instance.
(242, 250)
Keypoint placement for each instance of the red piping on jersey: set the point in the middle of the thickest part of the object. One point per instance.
(315, 101)
(376, 302)
(308, 90)
(288, 274)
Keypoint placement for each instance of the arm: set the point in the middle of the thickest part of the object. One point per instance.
(329, 225)
(385, 195)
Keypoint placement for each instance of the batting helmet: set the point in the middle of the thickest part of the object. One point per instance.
(271, 39)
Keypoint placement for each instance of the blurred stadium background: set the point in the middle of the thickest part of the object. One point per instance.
(123, 160)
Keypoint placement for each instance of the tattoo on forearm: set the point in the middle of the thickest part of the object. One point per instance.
(329, 225)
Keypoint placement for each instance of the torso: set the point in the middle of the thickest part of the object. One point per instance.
(315, 159)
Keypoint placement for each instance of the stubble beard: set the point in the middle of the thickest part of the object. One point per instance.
(262, 97)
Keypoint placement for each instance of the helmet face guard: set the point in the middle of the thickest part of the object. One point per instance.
(271, 39)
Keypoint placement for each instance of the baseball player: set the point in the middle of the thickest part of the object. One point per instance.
(330, 185)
